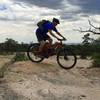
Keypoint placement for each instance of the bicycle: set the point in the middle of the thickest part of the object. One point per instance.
(65, 56)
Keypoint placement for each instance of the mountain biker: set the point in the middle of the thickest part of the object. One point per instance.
(42, 36)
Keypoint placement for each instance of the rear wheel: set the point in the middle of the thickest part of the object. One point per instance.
(31, 53)
(66, 58)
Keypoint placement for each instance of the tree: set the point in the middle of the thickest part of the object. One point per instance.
(10, 45)
(85, 49)
(93, 29)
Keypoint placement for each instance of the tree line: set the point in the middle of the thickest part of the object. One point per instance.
(84, 48)
(10, 46)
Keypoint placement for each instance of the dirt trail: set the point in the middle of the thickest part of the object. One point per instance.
(3, 60)
(47, 81)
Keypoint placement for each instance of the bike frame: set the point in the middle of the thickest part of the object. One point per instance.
(57, 45)
(59, 49)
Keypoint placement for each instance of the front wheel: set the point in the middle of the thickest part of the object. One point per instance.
(31, 53)
(66, 58)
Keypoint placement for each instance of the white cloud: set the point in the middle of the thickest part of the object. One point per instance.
(18, 21)
(5, 1)
(18, 32)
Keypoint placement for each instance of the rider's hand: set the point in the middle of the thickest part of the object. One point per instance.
(58, 39)
(64, 38)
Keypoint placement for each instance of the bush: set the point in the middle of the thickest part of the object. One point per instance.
(96, 60)
(20, 57)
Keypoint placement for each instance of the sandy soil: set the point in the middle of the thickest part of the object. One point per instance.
(4, 59)
(47, 81)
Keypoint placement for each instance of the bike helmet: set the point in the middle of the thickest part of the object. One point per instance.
(56, 20)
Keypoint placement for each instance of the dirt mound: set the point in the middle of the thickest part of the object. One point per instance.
(47, 81)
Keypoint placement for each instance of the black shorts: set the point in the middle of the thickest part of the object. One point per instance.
(41, 35)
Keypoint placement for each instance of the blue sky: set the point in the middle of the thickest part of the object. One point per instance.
(18, 18)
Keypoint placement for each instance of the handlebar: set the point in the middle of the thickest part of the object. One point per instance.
(62, 39)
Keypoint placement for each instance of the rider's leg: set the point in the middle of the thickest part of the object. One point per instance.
(50, 40)
(40, 37)
(51, 45)
(56, 44)
(48, 44)
(42, 40)
(44, 46)
(41, 47)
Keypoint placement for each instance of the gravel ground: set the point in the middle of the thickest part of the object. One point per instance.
(47, 81)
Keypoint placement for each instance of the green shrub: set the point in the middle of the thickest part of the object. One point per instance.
(20, 57)
(96, 60)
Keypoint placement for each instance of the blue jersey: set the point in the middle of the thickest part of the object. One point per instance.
(49, 26)
(42, 33)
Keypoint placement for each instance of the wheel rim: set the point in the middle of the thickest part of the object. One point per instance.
(66, 59)
(32, 53)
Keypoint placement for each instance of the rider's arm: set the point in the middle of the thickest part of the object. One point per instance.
(51, 33)
(60, 34)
